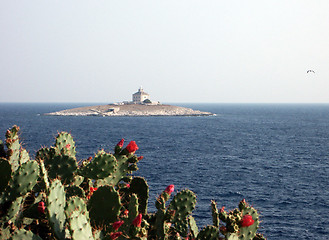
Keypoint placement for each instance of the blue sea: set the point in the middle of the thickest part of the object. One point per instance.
(276, 156)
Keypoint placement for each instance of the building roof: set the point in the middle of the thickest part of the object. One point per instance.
(141, 91)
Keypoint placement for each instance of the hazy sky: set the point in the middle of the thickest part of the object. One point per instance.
(178, 50)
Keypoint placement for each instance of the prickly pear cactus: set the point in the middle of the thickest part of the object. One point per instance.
(241, 223)
(14, 210)
(133, 208)
(182, 205)
(63, 167)
(193, 227)
(208, 233)
(124, 167)
(78, 219)
(2, 150)
(21, 234)
(215, 214)
(102, 166)
(56, 198)
(56, 202)
(5, 174)
(250, 221)
(73, 204)
(13, 146)
(75, 191)
(79, 226)
(104, 206)
(65, 145)
(23, 181)
(139, 186)
(60, 160)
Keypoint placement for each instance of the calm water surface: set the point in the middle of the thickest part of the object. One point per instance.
(275, 156)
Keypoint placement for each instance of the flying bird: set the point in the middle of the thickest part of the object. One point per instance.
(310, 71)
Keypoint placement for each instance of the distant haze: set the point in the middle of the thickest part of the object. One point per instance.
(179, 51)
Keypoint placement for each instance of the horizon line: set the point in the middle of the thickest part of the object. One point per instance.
(105, 103)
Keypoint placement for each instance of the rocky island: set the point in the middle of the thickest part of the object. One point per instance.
(131, 110)
(140, 106)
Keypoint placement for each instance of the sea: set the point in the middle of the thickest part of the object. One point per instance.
(276, 156)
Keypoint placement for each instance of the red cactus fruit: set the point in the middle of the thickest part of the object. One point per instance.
(170, 189)
(132, 147)
(115, 235)
(140, 158)
(137, 221)
(8, 133)
(120, 144)
(68, 146)
(247, 221)
(117, 225)
(41, 207)
(222, 209)
(91, 191)
(223, 229)
(125, 213)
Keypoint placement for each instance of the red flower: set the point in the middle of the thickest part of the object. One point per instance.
(41, 207)
(247, 221)
(170, 189)
(91, 191)
(132, 147)
(138, 220)
(115, 235)
(116, 225)
(120, 144)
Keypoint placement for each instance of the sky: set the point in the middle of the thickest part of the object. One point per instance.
(182, 51)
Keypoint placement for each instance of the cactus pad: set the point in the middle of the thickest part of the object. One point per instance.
(215, 214)
(2, 150)
(79, 226)
(13, 146)
(74, 191)
(63, 167)
(139, 186)
(23, 234)
(208, 233)
(65, 145)
(104, 206)
(133, 208)
(193, 227)
(55, 207)
(183, 204)
(5, 173)
(75, 204)
(45, 154)
(102, 166)
(15, 207)
(250, 231)
(23, 180)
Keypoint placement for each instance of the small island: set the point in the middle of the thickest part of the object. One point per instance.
(141, 105)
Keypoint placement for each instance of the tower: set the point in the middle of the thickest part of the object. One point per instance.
(140, 96)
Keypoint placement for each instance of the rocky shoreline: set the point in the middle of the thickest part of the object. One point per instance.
(112, 110)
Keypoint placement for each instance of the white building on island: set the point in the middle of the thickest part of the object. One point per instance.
(140, 96)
